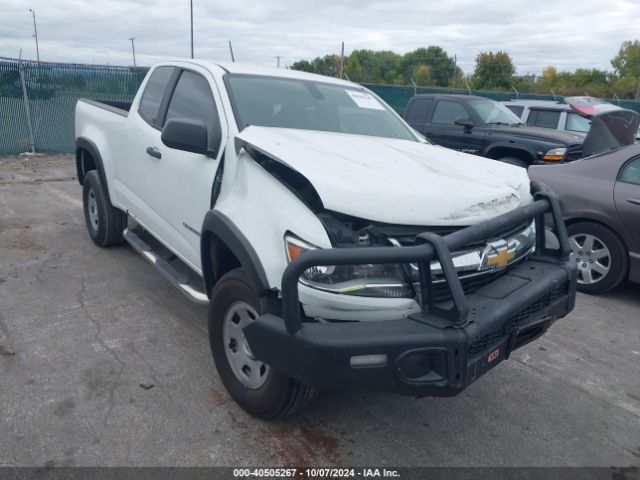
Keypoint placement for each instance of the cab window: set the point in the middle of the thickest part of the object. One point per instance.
(447, 112)
(153, 93)
(543, 118)
(418, 110)
(192, 100)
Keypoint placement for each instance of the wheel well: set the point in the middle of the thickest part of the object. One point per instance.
(219, 259)
(502, 152)
(84, 163)
(573, 221)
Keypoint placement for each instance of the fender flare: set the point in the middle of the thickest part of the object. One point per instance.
(512, 146)
(83, 143)
(218, 227)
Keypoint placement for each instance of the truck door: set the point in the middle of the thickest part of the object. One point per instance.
(184, 180)
(627, 199)
(445, 132)
(136, 167)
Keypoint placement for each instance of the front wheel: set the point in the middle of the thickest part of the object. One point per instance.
(601, 256)
(256, 387)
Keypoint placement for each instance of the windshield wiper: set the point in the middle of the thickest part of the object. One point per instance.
(498, 123)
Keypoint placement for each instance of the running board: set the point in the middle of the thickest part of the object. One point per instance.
(176, 278)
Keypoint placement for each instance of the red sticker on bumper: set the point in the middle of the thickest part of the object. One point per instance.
(493, 355)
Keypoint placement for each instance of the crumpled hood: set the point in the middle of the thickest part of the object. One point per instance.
(394, 181)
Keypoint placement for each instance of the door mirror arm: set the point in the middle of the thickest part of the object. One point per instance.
(464, 122)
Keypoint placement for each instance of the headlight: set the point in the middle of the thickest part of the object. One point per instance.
(555, 154)
(371, 280)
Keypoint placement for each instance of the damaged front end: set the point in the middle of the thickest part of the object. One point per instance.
(449, 343)
(476, 263)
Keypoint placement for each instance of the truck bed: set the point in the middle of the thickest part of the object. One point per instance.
(115, 106)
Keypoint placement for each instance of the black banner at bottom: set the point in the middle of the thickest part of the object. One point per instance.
(405, 473)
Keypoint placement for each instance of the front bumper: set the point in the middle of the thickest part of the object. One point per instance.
(445, 347)
(423, 358)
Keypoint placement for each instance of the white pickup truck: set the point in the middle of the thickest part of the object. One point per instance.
(335, 245)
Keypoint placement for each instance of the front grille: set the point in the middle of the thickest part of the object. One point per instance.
(574, 152)
(441, 292)
(483, 342)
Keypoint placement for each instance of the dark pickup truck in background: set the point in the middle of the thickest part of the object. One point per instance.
(482, 126)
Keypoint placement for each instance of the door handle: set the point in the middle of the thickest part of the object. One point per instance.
(635, 201)
(154, 152)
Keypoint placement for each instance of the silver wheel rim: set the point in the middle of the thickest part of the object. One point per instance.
(592, 256)
(250, 372)
(92, 205)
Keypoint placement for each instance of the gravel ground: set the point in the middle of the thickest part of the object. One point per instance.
(82, 328)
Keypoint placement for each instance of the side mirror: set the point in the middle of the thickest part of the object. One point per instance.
(186, 135)
(464, 122)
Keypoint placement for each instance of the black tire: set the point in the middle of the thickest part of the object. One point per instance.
(105, 223)
(618, 260)
(514, 161)
(279, 395)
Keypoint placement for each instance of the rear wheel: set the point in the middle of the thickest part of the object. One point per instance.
(105, 223)
(514, 161)
(601, 256)
(256, 387)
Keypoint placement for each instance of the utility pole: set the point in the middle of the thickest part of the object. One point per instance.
(455, 67)
(342, 61)
(191, 3)
(231, 52)
(35, 34)
(278, 57)
(133, 49)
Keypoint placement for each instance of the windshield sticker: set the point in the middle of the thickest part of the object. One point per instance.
(365, 100)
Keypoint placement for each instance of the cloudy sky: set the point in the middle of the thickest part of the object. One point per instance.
(565, 33)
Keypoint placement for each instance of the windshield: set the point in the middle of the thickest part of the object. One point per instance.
(310, 105)
(494, 112)
(577, 123)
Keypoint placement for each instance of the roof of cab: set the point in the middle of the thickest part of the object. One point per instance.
(248, 69)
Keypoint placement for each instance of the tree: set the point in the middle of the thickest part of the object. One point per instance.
(493, 70)
(441, 66)
(627, 61)
(303, 66)
(422, 75)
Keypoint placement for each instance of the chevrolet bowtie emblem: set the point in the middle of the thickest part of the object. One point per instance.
(498, 255)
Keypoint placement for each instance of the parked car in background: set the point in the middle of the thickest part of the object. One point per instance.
(488, 128)
(600, 199)
(485, 127)
(557, 115)
(549, 114)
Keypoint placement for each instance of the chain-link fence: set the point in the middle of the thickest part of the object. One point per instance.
(398, 95)
(37, 100)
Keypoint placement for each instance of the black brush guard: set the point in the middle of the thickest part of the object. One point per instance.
(442, 349)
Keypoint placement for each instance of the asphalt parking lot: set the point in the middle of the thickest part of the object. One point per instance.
(81, 329)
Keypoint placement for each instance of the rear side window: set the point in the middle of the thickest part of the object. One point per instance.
(153, 93)
(517, 109)
(417, 112)
(543, 118)
(192, 100)
(577, 123)
(447, 112)
(631, 172)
